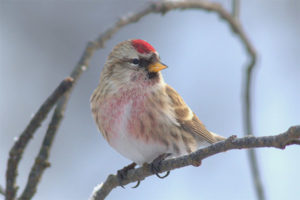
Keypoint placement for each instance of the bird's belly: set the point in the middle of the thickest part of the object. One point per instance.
(123, 132)
(136, 149)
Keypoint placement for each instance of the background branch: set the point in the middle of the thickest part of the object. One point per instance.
(17, 150)
(236, 9)
(257, 182)
(41, 161)
(164, 7)
(278, 141)
(2, 190)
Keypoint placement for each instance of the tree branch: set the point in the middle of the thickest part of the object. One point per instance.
(278, 141)
(248, 114)
(41, 161)
(17, 150)
(164, 7)
(2, 190)
(256, 174)
(236, 9)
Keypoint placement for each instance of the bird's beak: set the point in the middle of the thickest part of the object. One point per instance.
(156, 67)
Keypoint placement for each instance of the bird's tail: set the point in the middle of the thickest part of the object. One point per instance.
(217, 137)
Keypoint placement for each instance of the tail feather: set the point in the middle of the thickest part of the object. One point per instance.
(217, 137)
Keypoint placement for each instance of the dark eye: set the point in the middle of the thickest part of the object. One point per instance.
(135, 61)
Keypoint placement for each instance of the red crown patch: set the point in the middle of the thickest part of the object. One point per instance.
(142, 46)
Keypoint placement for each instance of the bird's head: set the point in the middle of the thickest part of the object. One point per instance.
(133, 62)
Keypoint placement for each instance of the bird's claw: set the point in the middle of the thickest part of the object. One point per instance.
(137, 184)
(155, 165)
(159, 176)
(122, 174)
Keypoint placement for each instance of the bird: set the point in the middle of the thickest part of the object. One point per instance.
(139, 114)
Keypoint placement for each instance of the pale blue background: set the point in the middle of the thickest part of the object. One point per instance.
(42, 41)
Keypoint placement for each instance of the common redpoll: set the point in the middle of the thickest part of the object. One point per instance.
(138, 114)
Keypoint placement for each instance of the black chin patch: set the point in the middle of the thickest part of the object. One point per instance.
(152, 75)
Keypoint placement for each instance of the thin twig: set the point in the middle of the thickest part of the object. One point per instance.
(248, 115)
(256, 174)
(17, 150)
(236, 9)
(248, 130)
(277, 141)
(164, 7)
(41, 161)
(2, 190)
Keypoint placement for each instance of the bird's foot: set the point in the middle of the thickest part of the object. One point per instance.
(196, 163)
(155, 165)
(122, 174)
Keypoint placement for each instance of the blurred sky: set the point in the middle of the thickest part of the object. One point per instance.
(41, 41)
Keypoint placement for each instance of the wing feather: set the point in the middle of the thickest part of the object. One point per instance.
(188, 120)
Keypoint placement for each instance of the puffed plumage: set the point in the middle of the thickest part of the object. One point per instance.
(138, 113)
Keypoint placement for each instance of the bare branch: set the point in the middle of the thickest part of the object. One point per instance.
(256, 174)
(17, 150)
(278, 141)
(236, 9)
(164, 7)
(2, 190)
(248, 126)
(247, 114)
(41, 161)
(19, 146)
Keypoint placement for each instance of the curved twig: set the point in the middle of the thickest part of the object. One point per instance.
(41, 161)
(17, 150)
(248, 113)
(248, 130)
(277, 141)
(21, 143)
(236, 9)
(2, 190)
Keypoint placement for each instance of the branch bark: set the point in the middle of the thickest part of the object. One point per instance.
(164, 7)
(41, 161)
(236, 9)
(291, 136)
(257, 182)
(2, 190)
(17, 150)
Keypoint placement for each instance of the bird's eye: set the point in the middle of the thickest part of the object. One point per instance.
(135, 61)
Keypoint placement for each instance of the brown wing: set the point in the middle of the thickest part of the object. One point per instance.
(188, 120)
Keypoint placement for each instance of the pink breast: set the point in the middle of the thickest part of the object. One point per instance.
(124, 108)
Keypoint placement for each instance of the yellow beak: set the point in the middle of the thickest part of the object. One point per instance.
(156, 67)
